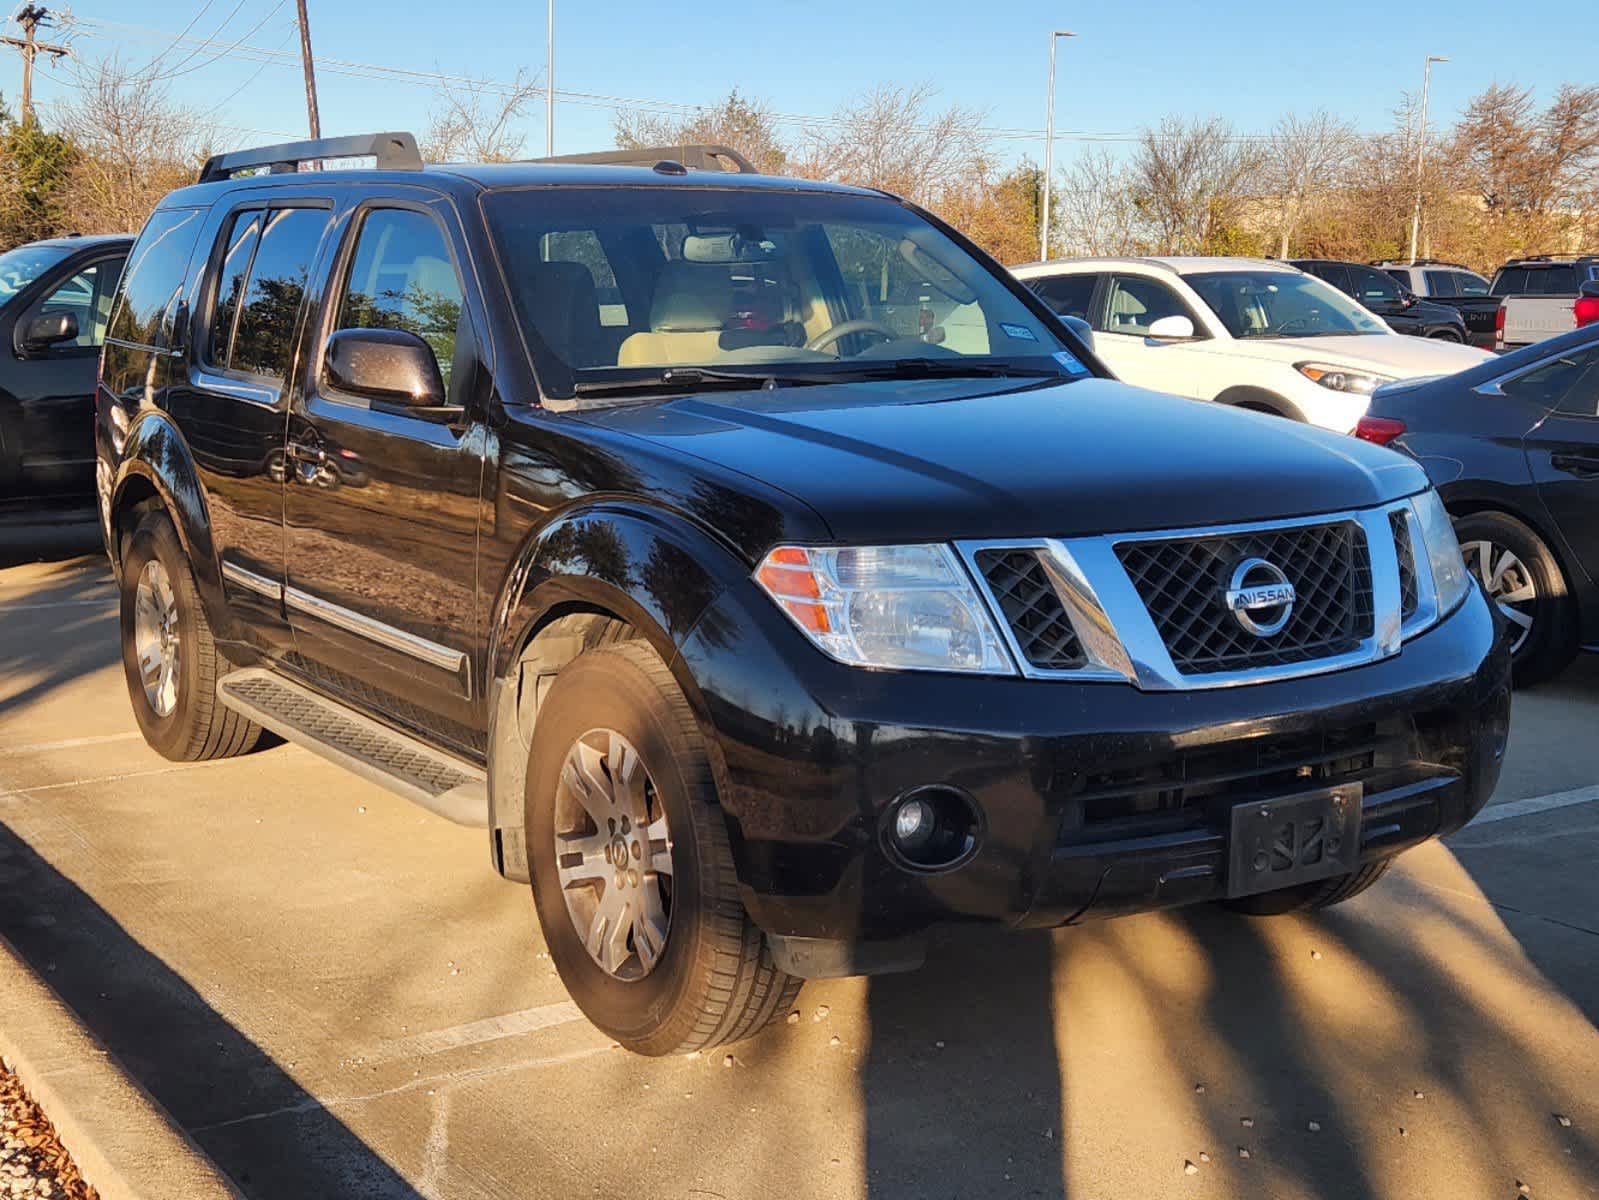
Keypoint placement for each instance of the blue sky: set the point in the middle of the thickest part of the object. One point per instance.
(1131, 64)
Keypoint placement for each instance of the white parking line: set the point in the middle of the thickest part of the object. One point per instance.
(490, 1029)
(68, 744)
(1536, 804)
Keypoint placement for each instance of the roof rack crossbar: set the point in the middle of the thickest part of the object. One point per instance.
(393, 152)
(695, 158)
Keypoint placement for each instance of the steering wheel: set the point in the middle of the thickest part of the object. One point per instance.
(1290, 323)
(823, 340)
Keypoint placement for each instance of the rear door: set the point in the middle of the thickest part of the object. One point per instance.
(51, 430)
(1563, 448)
(382, 505)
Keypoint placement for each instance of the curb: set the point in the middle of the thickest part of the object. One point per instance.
(124, 1143)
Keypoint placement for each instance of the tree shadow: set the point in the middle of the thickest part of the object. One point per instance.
(258, 1125)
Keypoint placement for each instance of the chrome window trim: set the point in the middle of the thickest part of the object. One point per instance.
(435, 655)
(1120, 636)
(1495, 386)
(250, 393)
(252, 582)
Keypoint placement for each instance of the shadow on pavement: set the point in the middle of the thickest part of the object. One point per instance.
(71, 600)
(48, 542)
(259, 1126)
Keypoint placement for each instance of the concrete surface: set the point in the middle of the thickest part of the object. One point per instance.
(121, 1141)
(334, 996)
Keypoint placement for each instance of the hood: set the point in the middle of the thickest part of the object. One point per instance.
(1394, 354)
(913, 461)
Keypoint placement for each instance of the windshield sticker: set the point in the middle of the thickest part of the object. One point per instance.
(1019, 332)
(1070, 363)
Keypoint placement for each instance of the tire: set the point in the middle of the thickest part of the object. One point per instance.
(186, 723)
(1310, 896)
(692, 970)
(1520, 559)
(1446, 335)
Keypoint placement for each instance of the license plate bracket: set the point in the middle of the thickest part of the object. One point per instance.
(1288, 840)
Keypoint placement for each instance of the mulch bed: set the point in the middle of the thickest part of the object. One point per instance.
(33, 1162)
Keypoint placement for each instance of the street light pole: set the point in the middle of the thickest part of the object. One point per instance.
(549, 81)
(1421, 151)
(1049, 147)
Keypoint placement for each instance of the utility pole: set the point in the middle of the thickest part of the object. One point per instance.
(1421, 151)
(549, 82)
(32, 18)
(309, 65)
(1049, 147)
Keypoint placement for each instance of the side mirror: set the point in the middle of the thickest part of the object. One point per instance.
(394, 369)
(1083, 330)
(1175, 328)
(1407, 298)
(50, 329)
(1590, 289)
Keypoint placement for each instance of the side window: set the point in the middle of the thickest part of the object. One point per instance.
(271, 301)
(1511, 281)
(1567, 383)
(1066, 295)
(582, 247)
(1136, 303)
(1336, 274)
(1401, 274)
(1442, 283)
(1470, 285)
(238, 248)
(1373, 287)
(87, 296)
(401, 277)
(158, 267)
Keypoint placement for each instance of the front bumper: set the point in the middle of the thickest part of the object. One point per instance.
(1095, 799)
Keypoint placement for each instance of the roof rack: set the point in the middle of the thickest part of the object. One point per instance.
(694, 158)
(393, 152)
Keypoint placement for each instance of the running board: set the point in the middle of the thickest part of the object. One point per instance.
(440, 783)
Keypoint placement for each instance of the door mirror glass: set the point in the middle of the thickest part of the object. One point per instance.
(1083, 330)
(391, 366)
(1174, 328)
(50, 329)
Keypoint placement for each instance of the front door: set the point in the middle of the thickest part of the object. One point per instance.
(381, 507)
(1563, 448)
(48, 436)
(1131, 305)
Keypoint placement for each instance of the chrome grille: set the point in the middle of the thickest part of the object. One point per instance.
(1182, 582)
(1409, 591)
(1032, 609)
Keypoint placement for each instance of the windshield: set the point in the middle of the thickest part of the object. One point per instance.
(20, 267)
(1277, 304)
(624, 288)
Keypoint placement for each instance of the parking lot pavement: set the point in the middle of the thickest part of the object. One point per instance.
(332, 993)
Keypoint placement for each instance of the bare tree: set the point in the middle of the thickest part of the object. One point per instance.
(891, 138)
(1523, 161)
(476, 121)
(747, 126)
(1305, 159)
(1192, 177)
(133, 146)
(1095, 209)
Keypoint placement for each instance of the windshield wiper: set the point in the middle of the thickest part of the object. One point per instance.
(681, 378)
(955, 368)
(847, 371)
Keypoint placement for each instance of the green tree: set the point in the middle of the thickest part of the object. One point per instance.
(35, 166)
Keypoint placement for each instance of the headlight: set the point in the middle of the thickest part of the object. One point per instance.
(909, 607)
(1449, 574)
(1342, 379)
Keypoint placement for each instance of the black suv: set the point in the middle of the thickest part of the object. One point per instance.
(1389, 299)
(769, 573)
(55, 299)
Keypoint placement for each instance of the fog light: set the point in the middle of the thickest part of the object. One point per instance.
(913, 823)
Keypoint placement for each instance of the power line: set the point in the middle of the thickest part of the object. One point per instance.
(251, 32)
(173, 44)
(32, 18)
(181, 38)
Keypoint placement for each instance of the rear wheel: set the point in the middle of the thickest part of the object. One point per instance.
(169, 656)
(633, 876)
(1446, 335)
(1526, 585)
(1310, 896)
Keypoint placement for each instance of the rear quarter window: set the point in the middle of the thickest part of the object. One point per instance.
(1510, 281)
(157, 269)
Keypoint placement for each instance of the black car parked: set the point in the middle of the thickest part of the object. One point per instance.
(1389, 299)
(767, 571)
(1458, 287)
(55, 300)
(1513, 448)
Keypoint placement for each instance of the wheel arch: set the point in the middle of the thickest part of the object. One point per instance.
(1259, 399)
(1460, 503)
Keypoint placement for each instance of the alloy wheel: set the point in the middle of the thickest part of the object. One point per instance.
(156, 641)
(1509, 585)
(613, 854)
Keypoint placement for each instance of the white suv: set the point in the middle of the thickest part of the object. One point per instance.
(1250, 332)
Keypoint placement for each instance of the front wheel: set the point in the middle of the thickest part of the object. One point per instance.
(633, 876)
(1527, 586)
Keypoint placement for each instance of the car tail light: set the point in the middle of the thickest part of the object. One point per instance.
(1587, 309)
(1499, 325)
(1380, 430)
